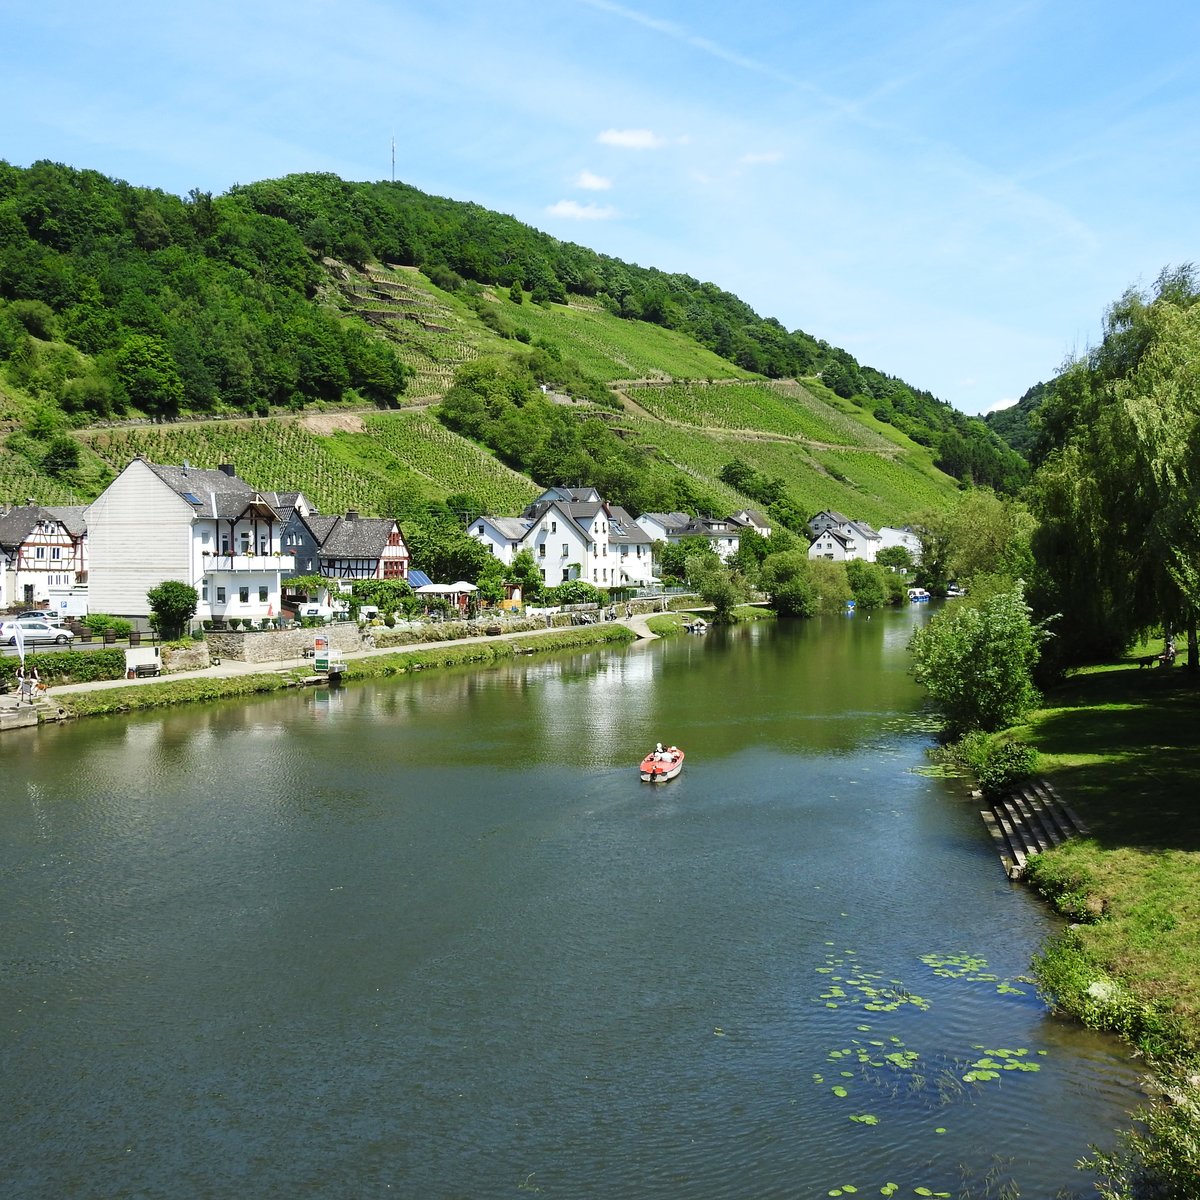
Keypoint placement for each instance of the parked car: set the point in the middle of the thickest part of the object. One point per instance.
(38, 614)
(34, 631)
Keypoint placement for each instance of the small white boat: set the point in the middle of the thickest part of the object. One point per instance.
(917, 595)
(697, 627)
(660, 765)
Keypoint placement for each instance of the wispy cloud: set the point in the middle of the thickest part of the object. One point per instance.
(572, 210)
(632, 139)
(763, 159)
(591, 182)
(706, 45)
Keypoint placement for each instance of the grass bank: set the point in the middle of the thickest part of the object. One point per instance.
(137, 697)
(1120, 743)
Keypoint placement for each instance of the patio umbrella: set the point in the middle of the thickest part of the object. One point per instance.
(463, 586)
(434, 589)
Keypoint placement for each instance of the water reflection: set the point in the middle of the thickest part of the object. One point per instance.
(433, 935)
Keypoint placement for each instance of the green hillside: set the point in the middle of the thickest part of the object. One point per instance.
(375, 348)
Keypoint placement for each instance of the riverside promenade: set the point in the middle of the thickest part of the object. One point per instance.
(52, 699)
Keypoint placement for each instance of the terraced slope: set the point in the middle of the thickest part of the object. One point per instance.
(339, 461)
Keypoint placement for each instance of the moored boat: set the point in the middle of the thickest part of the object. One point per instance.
(660, 765)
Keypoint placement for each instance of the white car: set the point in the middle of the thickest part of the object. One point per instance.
(35, 631)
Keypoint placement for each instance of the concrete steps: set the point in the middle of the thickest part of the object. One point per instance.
(1028, 820)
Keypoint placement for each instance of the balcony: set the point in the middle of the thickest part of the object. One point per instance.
(232, 563)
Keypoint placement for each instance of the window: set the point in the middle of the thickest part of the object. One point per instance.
(40, 552)
(244, 595)
(543, 574)
(56, 552)
(553, 526)
(262, 592)
(221, 594)
(204, 591)
(541, 550)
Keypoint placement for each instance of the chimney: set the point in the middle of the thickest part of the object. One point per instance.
(226, 469)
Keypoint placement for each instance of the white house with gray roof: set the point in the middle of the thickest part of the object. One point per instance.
(573, 533)
(838, 537)
(207, 528)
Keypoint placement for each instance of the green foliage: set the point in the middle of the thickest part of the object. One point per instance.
(173, 605)
(720, 587)
(1160, 1155)
(1075, 985)
(977, 659)
(388, 595)
(831, 585)
(99, 622)
(1118, 546)
(998, 765)
(898, 557)
(868, 584)
(574, 591)
(68, 666)
(675, 559)
(786, 578)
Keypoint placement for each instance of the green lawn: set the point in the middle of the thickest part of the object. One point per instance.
(1120, 742)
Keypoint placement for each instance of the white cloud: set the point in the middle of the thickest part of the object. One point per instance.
(766, 158)
(574, 211)
(591, 182)
(1002, 404)
(632, 139)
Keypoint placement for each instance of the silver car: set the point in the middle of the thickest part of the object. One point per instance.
(35, 631)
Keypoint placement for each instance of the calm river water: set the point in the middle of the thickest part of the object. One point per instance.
(433, 937)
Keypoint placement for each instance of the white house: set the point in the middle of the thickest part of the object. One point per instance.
(43, 549)
(752, 519)
(832, 545)
(663, 527)
(890, 535)
(724, 534)
(573, 533)
(854, 539)
(206, 528)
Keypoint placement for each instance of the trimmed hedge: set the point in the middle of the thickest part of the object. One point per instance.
(68, 666)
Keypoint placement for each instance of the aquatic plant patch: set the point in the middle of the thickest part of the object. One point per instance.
(872, 1069)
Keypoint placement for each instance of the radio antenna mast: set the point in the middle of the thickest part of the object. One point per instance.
(393, 158)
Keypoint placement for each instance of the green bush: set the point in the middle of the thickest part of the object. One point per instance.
(99, 622)
(1006, 766)
(998, 766)
(69, 666)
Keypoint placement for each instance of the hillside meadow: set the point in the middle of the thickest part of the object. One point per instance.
(686, 410)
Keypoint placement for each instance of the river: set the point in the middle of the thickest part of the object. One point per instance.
(431, 936)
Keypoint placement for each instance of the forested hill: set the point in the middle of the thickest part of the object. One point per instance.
(118, 299)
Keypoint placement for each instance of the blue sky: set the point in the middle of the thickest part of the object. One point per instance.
(953, 192)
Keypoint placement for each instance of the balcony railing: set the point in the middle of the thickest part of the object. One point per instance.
(249, 562)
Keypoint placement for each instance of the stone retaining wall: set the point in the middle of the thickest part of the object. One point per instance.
(275, 645)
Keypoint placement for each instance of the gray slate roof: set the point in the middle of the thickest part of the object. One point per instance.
(357, 537)
(17, 523)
